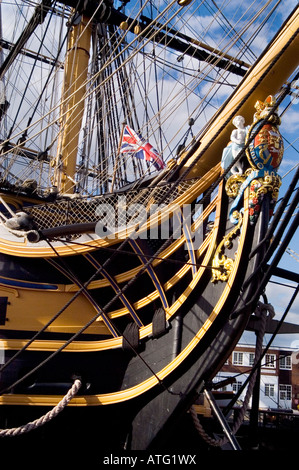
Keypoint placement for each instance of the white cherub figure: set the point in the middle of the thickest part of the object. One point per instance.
(237, 142)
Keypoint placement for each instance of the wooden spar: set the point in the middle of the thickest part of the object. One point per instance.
(215, 139)
(117, 156)
(72, 109)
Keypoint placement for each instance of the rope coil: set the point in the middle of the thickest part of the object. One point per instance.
(11, 432)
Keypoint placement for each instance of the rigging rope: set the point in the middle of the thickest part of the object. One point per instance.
(157, 30)
(110, 62)
(147, 26)
(292, 253)
(184, 160)
(269, 342)
(12, 432)
(262, 311)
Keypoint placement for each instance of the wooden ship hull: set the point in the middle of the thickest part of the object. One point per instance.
(144, 321)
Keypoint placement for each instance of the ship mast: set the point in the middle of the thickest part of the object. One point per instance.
(76, 71)
(72, 108)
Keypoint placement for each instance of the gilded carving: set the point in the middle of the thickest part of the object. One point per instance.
(263, 146)
(222, 265)
(270, 183)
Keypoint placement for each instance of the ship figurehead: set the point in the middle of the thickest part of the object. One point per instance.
(263, 146)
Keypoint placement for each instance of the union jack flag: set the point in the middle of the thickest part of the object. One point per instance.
(135, 144)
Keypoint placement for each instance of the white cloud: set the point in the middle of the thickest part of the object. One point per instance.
(291, 124)
(279, 296)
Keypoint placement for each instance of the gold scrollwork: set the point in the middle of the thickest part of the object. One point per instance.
(222, 265)
(233, 184)
(269, 183)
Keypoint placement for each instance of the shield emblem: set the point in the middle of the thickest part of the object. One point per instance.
(265, 151)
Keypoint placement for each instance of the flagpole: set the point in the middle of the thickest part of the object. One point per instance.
(117, 156)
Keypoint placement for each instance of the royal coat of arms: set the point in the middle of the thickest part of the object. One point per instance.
(265, 151)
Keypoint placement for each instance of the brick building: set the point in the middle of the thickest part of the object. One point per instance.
(279, 380)
(295, 379)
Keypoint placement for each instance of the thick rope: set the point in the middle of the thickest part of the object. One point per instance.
(11, 432)
(262, 311)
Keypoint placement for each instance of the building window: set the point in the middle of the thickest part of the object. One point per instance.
(285, 392)
(269, 361)
(269, 390)
(285, 362)
(251, 359)
(236, 386)
(238, 358)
